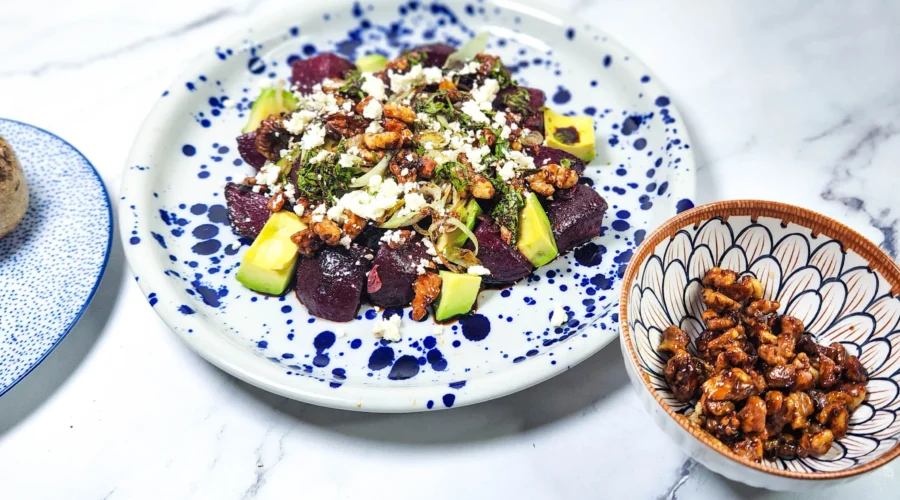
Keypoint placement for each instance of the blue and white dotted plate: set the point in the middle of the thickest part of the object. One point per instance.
(184, 254)
(52, 262)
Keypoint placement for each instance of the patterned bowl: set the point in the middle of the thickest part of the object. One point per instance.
(838, 283)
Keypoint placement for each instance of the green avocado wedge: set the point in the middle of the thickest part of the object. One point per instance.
(536, 241)
(371, 63)
(268, 265)
(458, 294)
(271, 101)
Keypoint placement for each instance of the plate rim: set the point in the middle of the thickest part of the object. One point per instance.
(103, 267)
(402, 399)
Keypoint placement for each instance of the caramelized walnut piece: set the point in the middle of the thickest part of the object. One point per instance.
(836, 417)
(400, 112)
(272, 137)
(446, 85)
(740, 290)
(404, 165)
(799, 407)
(684, 375)
(732, 384)
(384, 140)
(762, 306)
(718, 277)
(718, 301)
(276, 202)
(344, 125)
(815, 444)
(487, 137)
(426, 170)
(307, 242)
(328, 231)
(551, 177)
(750, 447)
(726, 428)
(674, 340)
(855, 371)
(427, 287)
(353, 224)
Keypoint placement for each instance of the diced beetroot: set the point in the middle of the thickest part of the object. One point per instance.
(534, 122)
(331, 284)
(247, 210)
(395, 269)
(544, 154)
(575, 215)
(436, 54)
(247, 148)
(506, 264)
(307, 73)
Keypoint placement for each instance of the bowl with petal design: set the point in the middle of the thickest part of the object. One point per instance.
(840, 285)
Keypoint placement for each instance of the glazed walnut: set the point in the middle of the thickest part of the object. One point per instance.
(343, 125)
(399, 112)
(272, 137)
(307, 242)
(552, 177)
(767, 389)
(427, 287)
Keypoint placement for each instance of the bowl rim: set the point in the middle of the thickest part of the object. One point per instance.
(819, 224)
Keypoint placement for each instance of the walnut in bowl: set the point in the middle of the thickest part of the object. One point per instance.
(812, 307)
(13, 189)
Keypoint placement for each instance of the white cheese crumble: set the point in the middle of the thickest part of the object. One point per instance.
(474, 111)
(423, 266)
(374, 128)
(559, 317)
(373, 86)
(320, 156)
(318, 215)
(507, 171)
(348, 160)
(373, 110)
(299, 209)
(268, 175)
(438, 330)
(433, 75)
(346, 240)
(524, 161)
(290, 191)
(313, 138)
(372, 206)
(414, 203)
(429, 247)
(485, 93)
(478, 270)
(336, 213)
(403, 82)
(388, 329)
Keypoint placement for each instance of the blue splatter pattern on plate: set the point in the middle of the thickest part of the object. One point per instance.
(52, 262)
(179, 243)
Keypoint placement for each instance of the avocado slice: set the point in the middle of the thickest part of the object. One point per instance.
(371, 63)
(271, 101)
(573, 134)
(536, 240)
(268, 265)
(468, 214)
(458, 294)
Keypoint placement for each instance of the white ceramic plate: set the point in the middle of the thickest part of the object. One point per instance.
(52, 262)
(183, 252)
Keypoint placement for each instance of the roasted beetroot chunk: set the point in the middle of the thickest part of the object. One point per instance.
(575, 215)
(247, 148)
(307, 73)
(544, 155)
(331, 284)
(505, 262)
(394, 272)
(436, 54)
(533, 114)
(247, 210)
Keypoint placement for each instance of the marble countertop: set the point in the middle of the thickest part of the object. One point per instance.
(790, 101)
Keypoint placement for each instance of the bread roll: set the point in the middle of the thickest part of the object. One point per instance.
(13, 189)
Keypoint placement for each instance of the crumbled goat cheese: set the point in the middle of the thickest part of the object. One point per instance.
(414, 203)
(374, 182)
(478, 270)
(433, 75)
(318, 215)
(403, 82)
(474, 111)
(409, 187)
(404, 172)
(559, 317)
(320, 156)
(429, 247)
(348, 160)
(507, 171)
(438, 330)
(524, 161)
(485, 93)
(346, 240)
(268, 174)
(369, 256)
(388, 329)
(291, 192)
(336, 213)
(318, 101)
(500, 118)
(423, 266)
(373, 110)
(373, 86)
(346, 106)
(313, 138)
(372, 206)
(392, 236)
(469, 68)
(299, 209)
(374, 128)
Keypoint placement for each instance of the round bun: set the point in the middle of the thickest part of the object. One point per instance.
(13, 189)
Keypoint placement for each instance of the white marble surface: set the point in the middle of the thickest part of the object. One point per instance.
(793, 101)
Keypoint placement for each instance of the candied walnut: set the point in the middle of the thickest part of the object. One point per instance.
(732, 384)
(758, 381)
(762, 306)
(806, 344)
(720, 323)
(353, 224)
(753, 415)
(734, 356)
(342, 125)
(400, 112)
(829, 372)
(539, 184)
(684, 375)
(853, 394)
(751, 447)
(426, 170)
(740, 290)
(791, 327)
(307, 242)
(838, 353)
(481, 187)
(272, 137)
(361, 106)
(820, 401)
(855, 371)
(761, 331)
(427, 287)
(399, 65)
(328, 231)
(781, 376)
(392, 125)
(719, 277)
(731, 338)
(815, 444)
(551, 177)
(717, 408)
(806, 375)
(836, 417)
(401, 238)
(487, 137)
(404, 165)
(708, 315)
(799, 407)
(788, 447)
(446, 85)
(725, 428)
(384, 140)
(776, 411)
(674, 340)
(718, 301)
(276, 202)
(487, 63)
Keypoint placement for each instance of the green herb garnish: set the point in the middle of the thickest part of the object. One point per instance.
(455, 173)
(518, 100)
(501, 74)
(353, 85)
(506, 213)
(326, 180)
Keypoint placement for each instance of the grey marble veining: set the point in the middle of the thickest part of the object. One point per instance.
(790, 101)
